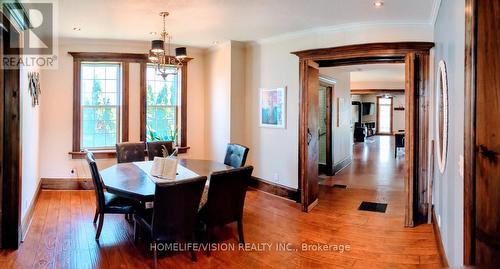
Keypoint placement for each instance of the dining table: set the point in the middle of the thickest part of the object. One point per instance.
(133, 180)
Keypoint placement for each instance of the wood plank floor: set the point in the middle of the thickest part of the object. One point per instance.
(62, 236)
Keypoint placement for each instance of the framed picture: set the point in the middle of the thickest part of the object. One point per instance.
(341, 117)
(272, 110)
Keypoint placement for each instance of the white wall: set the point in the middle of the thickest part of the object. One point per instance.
(225, 98)
(270, 64)
(56, 111)
(218, 100)
(30, 142)
(448, 187)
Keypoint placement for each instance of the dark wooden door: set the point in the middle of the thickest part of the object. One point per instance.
(487, 197)
(309, 134)
(326, 134)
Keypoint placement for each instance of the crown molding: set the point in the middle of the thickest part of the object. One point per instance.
(435, 12)
(340, 28)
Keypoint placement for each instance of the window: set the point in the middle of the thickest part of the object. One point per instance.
(162, 99)
(384, 125)
(100, 105)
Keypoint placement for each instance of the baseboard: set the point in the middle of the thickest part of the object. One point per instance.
(439, 241)
(26, 221)
(312, 205)
(273, 188)
(342, 164)
(67, 184)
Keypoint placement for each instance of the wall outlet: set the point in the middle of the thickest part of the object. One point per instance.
(72, 172)
(276, 178)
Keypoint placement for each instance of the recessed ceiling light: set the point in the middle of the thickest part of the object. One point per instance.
(77, 29)
(153, 33)
(378, 3)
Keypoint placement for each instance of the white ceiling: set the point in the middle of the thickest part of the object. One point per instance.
(201, 22)
(370, 72)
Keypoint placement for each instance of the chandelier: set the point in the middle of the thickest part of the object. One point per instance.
(159, 55)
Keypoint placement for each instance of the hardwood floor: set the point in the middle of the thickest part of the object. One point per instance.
(62, 236)
(373, 166)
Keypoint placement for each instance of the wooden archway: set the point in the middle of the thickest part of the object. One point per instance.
(415, 56)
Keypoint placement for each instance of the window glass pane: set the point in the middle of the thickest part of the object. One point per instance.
(100, 104)
(161, 106)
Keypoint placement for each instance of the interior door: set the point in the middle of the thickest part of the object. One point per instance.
(310, 135)
(487, 186)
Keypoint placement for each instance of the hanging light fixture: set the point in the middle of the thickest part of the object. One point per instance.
(159, 55)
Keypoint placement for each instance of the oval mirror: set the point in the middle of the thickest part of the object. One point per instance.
(442, 115)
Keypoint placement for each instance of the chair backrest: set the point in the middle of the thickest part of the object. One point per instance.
(226, 196)
(128, 152)
(155, 148)
(96, 179)
(236, 155)
(175, 207)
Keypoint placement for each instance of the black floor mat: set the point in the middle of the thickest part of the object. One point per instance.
(373, 207)
(339, 186)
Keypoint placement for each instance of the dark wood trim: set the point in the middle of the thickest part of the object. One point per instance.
(342, 164)
(273, 188)
(76, 104)
(470, 131)
(439, 241)
(111, 153)
(376, 91)
(66, 184)
(115, 57)
(415, 56)
(78, 58)
(380, 51)
(11, 179)
(142, 101)
(125, 101)
(184, 81)
(26, 221)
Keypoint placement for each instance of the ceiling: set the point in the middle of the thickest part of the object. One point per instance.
(203, 22)
(371, 72)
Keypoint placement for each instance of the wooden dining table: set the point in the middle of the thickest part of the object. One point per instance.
(130, 181)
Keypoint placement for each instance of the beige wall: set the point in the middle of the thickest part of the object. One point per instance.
(30, 144)
(270, 64)
(56, 110)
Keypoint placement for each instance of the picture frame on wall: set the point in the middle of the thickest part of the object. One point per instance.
(272, 108)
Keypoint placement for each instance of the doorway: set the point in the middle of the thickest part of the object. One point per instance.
(384, 115)
(325, 128)
(415, 56)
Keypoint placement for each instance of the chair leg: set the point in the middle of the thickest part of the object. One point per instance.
(240, 231)
(155, 258)
(96, 215)
(136, 233)
(208, 230)
(99, 227)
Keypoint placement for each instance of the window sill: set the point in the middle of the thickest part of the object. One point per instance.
(111, 153)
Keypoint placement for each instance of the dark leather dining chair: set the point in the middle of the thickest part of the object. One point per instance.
(128, 152)
(174, 212)
(226, 198)
(107, 203)
(155, 148)
(236, 155)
